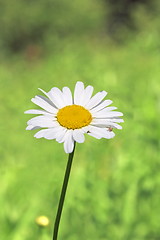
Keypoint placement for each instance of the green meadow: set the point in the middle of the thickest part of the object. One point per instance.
(114, 187)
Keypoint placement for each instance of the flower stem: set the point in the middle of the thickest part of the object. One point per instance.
(63, 193)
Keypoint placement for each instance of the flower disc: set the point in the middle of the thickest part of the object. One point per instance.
(74, 117)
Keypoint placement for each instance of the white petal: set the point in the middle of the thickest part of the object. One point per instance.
(94, 132)
(61, 134)
(37, 118)
(50, 102)
(79, 88)
(85, 129)
(69, 142)
(44, 92)
(97, 130)
(114, 114)
(52, 134)
(85, 96)
(43, 104)
(49, 95)
(111, 134)
(67, 96)
(36, 111)
(104, 113)
(107, 114)
(115, 125)
(94, 135)
(78, 135)
(41, 133)
(30, 127)
(96, 99)
(42, 121)
(118, 120)
(49, 134)
(102, 105)
(101, 132)
(105, 123)
(110, 108)
(57, 97)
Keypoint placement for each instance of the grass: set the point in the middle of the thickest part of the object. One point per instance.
(114, 186)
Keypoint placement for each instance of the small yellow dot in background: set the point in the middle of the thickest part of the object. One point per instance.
(42, 221)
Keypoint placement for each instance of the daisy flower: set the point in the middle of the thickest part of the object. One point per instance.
(66, 119)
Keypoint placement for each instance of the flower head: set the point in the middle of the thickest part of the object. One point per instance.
(66, 119)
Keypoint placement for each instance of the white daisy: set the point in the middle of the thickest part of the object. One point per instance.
(67, 119)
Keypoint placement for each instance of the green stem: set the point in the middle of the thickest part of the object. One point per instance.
(63, 193)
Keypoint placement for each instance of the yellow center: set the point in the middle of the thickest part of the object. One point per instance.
(74, 117)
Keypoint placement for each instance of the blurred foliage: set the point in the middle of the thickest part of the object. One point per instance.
(114, 187)
(121, 15)
(24, 22)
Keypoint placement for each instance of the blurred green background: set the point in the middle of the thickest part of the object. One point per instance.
(114, 187)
